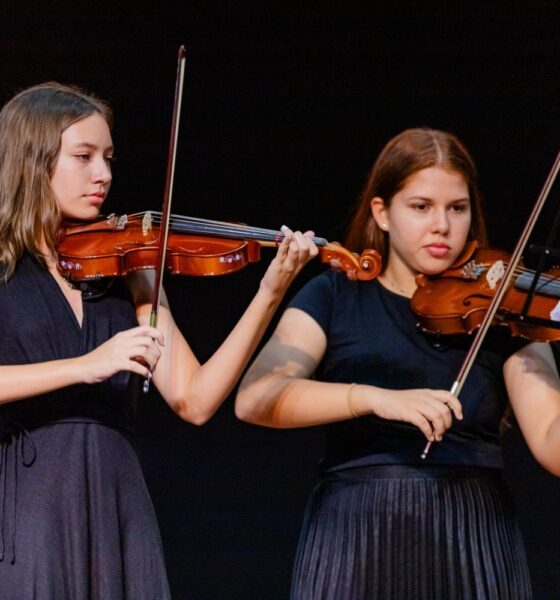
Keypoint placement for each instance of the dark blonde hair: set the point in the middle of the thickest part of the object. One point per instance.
(31, 126)
(409, 152)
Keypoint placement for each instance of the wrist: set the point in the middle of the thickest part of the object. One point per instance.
(76, 371)
(358, 400)
(350, 403)
(268, 295)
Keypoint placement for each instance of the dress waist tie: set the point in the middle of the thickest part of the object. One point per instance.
(23, 450)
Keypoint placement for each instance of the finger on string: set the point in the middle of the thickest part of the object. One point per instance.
(284, 245)
(301, 244)
(288, 233)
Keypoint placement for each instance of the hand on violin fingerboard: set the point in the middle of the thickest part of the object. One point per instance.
(294, 252)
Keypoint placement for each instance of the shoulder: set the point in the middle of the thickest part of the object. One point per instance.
(332, 294)
(26, 269)
(328, 283)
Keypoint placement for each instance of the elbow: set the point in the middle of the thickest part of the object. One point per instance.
(552, 466)
(191, 413)
(197, 419)
(245, 409)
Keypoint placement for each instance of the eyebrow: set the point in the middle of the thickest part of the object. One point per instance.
(90, 146)
(427, 199)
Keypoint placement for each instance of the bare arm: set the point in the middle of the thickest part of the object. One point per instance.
(277, 391)
(120, 353)
(534, 390)
(196, 391)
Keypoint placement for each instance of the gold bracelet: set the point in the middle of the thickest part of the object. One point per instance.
(351, 409)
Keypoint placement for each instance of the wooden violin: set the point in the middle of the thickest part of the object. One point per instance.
(117, 245)
(456, 301)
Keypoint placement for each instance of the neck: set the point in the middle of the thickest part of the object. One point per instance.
(49, 257)
(402, 287)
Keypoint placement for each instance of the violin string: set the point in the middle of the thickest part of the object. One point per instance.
(226, 226)
(220, 228)
(156, 217)
(550, 282)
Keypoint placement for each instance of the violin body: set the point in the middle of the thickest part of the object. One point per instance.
(84, 255)
(456, 301)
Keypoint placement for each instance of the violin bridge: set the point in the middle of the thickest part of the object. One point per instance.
(147, 222)
(495, 274)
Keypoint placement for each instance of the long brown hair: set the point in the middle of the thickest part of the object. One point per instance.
(409, 152)
(31, 126)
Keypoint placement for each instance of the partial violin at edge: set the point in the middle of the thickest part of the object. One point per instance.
(456, 301)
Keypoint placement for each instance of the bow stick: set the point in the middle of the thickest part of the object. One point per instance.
(166, 209)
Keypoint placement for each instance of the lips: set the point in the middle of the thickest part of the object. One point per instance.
(438, 250)
(96, 198)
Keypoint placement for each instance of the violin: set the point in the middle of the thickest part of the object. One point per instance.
(116, 245)
(456, 301)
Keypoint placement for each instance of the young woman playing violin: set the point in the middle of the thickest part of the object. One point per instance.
(76, 521)
(383, 523)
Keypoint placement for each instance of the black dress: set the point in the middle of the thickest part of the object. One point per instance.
(383, 523)
(76, 520)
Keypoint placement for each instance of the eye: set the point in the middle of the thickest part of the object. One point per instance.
(110, 160)
(83, 157)
(460, 208)
(420, 206)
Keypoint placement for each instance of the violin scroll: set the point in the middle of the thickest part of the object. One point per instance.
(364, 267)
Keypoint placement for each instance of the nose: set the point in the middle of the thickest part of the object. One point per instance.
(102, 171)
(440, 222)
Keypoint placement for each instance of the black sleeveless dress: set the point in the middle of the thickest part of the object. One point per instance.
(76, 520)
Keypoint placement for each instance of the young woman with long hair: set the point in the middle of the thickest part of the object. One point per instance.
(76, 521)
(383, 523)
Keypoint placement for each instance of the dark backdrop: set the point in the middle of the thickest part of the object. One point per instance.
(286, 105)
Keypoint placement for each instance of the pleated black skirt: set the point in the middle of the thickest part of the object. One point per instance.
(398, 532)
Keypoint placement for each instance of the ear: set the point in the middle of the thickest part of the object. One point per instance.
(380, 213)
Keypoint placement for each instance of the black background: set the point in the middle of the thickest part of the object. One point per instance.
(286, 104)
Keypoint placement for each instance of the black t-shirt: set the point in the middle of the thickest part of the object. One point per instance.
(373, 338)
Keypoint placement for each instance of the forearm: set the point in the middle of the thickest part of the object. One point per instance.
(25, 381)
(277, 400)
(284, 402)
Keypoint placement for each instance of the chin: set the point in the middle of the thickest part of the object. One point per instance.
(435, 268)
(85, 215)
